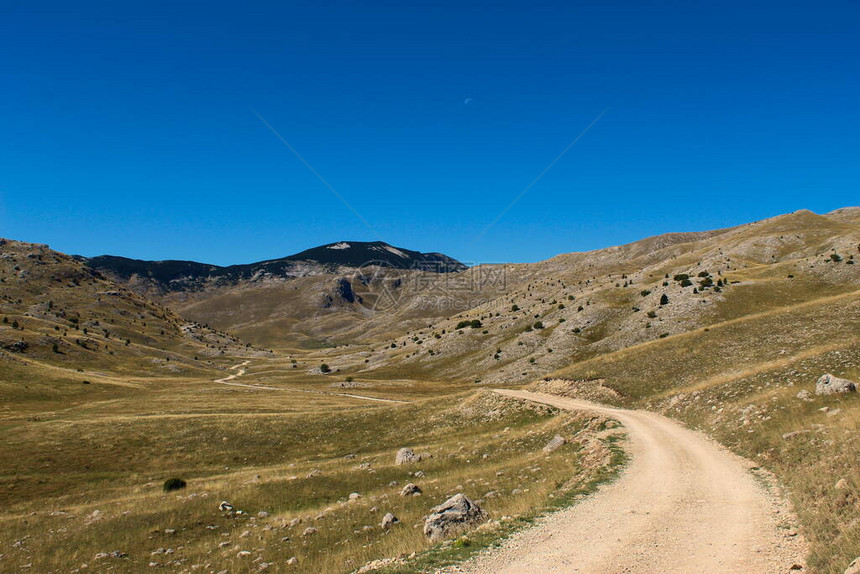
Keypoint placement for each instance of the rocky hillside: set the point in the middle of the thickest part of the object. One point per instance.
(578, 306)
(56, 312)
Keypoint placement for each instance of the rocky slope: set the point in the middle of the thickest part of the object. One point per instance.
(57, 312)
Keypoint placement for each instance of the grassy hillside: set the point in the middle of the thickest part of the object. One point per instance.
(738, 380)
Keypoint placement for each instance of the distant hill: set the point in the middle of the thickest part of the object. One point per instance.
(170, 276)
(58, 314)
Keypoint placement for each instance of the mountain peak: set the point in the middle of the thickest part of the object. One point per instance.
(190, 275)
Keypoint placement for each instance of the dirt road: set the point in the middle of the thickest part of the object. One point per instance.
(683, 504)
(240, 370)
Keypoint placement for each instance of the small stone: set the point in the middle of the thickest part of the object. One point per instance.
(557, 442)
(410, 490)
(292, 561)
(310, 531)
(389, 520)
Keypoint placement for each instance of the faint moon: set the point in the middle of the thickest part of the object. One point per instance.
(468, 101)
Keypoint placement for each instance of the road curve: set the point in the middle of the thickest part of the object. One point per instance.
(683, 504)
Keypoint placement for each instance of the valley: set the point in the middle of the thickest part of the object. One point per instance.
(284, 388)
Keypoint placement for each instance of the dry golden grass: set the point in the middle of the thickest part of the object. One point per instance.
(291, 455)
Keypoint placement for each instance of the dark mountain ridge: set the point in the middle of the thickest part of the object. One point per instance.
(173, 275)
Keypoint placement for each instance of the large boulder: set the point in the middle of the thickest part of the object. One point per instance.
(453, 516)
(406, 455)
(854, 567)
(829, 385)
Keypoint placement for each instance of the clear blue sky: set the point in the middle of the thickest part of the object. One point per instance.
(128, 127)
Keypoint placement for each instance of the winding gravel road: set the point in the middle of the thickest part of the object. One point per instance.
(683, 504)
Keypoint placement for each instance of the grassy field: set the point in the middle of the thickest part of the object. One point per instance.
(87, 478)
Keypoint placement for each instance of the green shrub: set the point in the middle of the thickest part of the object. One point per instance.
(325, 368)
(645, 292)
(664, 299)
(538, 325)
(681, 277)
(172, 484)
(686, 283)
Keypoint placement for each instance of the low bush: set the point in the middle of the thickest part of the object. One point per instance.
(172, 484)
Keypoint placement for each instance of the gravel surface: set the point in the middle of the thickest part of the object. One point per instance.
(683, 504)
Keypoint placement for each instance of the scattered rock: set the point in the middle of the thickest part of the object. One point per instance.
(453, 516)
(556, 443)
(314, 473)
(841, 484)
(354, 496)
(804, 395)
(225, 506)
(791, 435)
(829, 385)
(114, 554)
(405, 455)
(292, 561)
(410, 490)
(310, 531)
(379, 564)
(389, 520)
